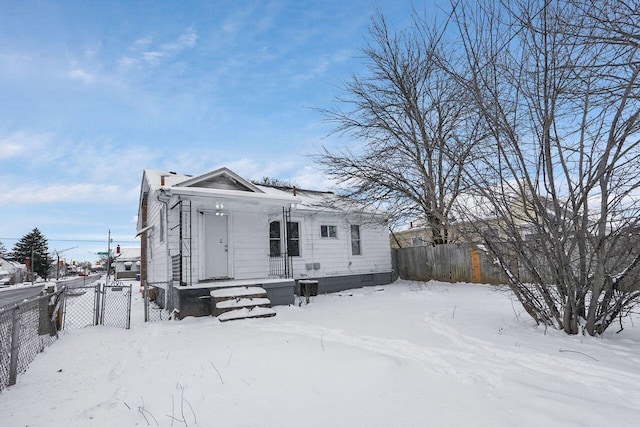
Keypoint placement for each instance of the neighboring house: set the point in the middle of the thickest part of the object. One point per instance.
(412, 234)
(218, 230)
(474, 220)
(11, 272)
(126, 263)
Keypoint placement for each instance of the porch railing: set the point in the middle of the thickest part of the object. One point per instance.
(280, 266)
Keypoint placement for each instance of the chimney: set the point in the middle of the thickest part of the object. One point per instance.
(118, 249)
(294, 191)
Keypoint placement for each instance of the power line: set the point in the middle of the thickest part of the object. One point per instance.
(76, 240)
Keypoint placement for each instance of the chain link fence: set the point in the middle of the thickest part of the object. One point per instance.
(30, 326)
(25, 330)
(81, 306)
(116, 305)
(99, 304)
(158, 301)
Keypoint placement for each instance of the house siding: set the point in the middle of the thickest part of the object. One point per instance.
(328, 256)
(326, 259)
(250, 244)
(157, 270)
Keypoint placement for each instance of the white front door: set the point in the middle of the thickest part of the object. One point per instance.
(216, 248)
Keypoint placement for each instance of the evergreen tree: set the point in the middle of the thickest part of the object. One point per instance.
(3, 251)
(33, 242)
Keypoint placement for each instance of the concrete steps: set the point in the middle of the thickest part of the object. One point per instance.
(240, 302)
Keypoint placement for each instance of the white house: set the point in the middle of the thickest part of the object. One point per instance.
(11, 272)
(126, 262)
(200, 233)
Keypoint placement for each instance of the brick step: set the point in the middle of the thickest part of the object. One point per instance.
(246, 313)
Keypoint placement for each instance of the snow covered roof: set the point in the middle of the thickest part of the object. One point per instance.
(11, 266)
(224, 183)
(128, 254)
(156, 179)
(221, 183)
(222, 178)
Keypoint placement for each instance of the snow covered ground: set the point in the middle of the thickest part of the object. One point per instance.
(406, 354)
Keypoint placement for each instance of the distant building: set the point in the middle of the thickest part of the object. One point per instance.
(11, 272)
(126, 263)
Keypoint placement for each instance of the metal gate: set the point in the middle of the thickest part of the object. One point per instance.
(158, 301)
(99, 304)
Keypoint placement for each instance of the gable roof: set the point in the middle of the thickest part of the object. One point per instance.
(224, 183)
(223, 179)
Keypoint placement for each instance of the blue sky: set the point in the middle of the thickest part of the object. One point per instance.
(94, 92)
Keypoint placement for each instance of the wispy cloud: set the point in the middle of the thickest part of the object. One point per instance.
(37, 193)
(318, 67)
(186, 40)
(312, 178)
(19, 144)
(145, 50)
(81, 170)
(153, 57)
(289, 169)
(81, 75)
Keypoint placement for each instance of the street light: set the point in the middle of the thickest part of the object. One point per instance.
(58, 260)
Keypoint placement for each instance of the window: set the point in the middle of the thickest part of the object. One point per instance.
(293, 238)
(328, 231)
(274, 239)
(355, 240)
(417, 241)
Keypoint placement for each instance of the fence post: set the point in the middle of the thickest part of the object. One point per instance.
(145, 298)
(15, 346)
(129, 307)
(96, 309)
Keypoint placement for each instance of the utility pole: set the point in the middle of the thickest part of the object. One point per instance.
(108, 258)
(58, 260)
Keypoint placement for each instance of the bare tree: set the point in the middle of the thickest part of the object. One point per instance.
(274, 182)
(556, 85)
(411, 126)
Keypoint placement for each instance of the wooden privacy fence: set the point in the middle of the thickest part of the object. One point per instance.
(447, 263)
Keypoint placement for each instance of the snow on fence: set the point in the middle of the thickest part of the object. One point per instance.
(25, 330)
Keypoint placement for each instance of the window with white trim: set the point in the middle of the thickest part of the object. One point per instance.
(274, 239)
(293, 238)
(356, 243)
(328, 231)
